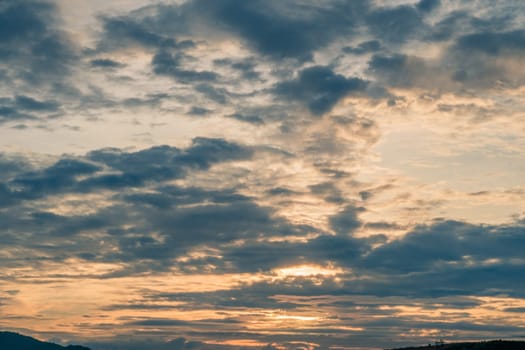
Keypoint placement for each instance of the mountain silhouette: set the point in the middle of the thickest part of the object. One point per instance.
(15, 341)
(484, 345)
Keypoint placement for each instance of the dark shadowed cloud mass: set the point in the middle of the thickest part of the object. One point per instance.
(233, 174)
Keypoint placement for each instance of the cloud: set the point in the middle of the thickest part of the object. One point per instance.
(274, 29)
(199, 111)
(446, 242)
(188, 218)
(283, 30)
(180, 343)
(12, 165)
(121, 31)
(163, 162)
(25, 108)
(319, 88)
(180, 218)
(164, 63)
(346, 220)
(312, 93)
(252, 118)
(364, 47)
(449, 258)
(28, 103)
(51, 180)
(105, 63)
(481, 61)
(133, 169)
(31, 45)
(395, 24)
(493, 43)
(484, 59)
(246, 67)
(219, 95)
(324, 249)
(428, 5)
(401, 70)
(10, 114)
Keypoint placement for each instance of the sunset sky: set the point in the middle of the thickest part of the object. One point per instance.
(262, 174)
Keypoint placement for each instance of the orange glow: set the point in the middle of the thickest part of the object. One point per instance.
(296, 318)
(308, 270)
(239, 342)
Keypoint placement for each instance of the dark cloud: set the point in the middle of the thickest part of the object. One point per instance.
(156, 322)
(12, 165)
(283, 30)
(66, 226)
(180, 343)
(265, 256)
(319, 88)
(133, 169)
(55, 179)
(396, 69)
(30, 104)
(124, 31)
(205, 151)
(279, 191)
(258, 115)
(151, 101)
(346, 220)
(395, 24)
(328, 191)
(219, 95)
(245, 67)
(428, 5)
(130, 342)
(162, 162)
(105, 63)
(493, 43)
(364, 47)
(454, 23)
(251, 118)
(382, 225)
(191, 217)
(272, 28)
(165, 63)
(447, 242)
(516, 309)
(254, 295)
(199, 111)
(182, 218)
(24, 107)
(21, 20)
(31, 46)
(462, 22)
(473, 61)
(477, 60)
(379, 316)
(445, 259)
(11, 114)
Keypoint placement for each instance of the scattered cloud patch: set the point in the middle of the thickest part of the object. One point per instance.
(319, 88)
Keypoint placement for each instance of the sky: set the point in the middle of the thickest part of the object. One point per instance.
(262, 174)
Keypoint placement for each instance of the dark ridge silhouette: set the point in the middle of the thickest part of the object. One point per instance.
(15, 341)
(485, 345)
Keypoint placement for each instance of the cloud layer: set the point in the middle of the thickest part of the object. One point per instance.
(263, 174)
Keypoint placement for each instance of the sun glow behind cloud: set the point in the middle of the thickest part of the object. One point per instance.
(308, 271)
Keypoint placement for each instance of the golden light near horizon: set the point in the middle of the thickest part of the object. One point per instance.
(307, 270)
